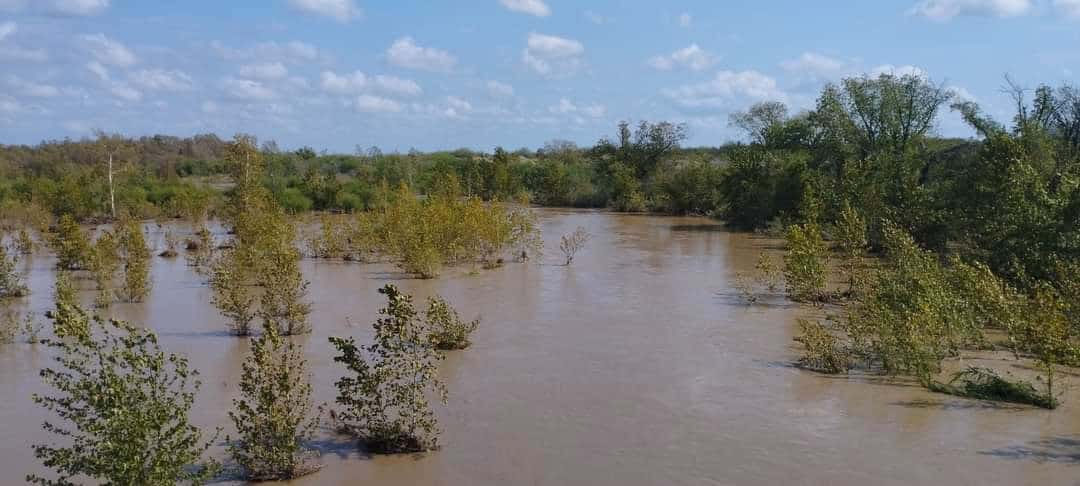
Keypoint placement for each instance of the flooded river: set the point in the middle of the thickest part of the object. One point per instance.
(638, 365)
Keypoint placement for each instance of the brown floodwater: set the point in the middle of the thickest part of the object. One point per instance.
(638, 365)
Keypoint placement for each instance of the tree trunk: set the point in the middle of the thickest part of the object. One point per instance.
(112, 192)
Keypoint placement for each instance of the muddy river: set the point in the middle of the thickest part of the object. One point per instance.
(638, 365)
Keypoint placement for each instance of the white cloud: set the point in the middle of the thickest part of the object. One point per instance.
(726, 88)
(594, 110)
(78, 8)
(817, 66)
(66, 8)
(906, 70)
(553, 57)
(685, 20)
(961, 93)
(375, 104)
(6, 29)
(596, 18)
(32, 89)
(500, 90)
(266, 70)
(458, 105)
(406, 53)
(943, 10)
(100, 71)
(295, 51)
(19, 54)
(161, 80)
(247, 89)
(398, 86)
(126, 93)
(107, 51)
(343, 84)
(1070, 8)
(692, 57)
(567, 107)
(340, 10)
(531, 7)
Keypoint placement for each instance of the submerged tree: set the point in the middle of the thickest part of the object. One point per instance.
(446, 329)
(383, 399)
(11, 284)
(804, 263)
(572, 243)
(136, 258)
(124, 406)
(272, 414)
(70, 244)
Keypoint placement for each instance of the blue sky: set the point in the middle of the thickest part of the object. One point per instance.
(334, 74)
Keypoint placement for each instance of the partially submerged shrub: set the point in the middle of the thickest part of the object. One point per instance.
(852, 243)
(67, 316)
(271, 415)
(103, 264)
(805, 263)
(383, 398)
(1044, 332)
(986, 384)
(70, 244)
(9, 326)
(123, 405)
(24, 243)
(136, 258)
(282, 303)
(823, 350)
(230, 292)
(770, 273)
(572, 243)
(11, 284)
(172, 242)
(446, 329)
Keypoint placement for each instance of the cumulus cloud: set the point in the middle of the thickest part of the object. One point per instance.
(340, 10)
(500, 90)
(943, 10)
(247, 90)
(552, 56)
(266, 70)
(126, 93)
(107, 51)
(357, 82)
(100, 71)
(727, 88)
(161, 80)
(374, 104)
(815, 65)
(12, 52)
(906, 70)
(32, 89)
(692, 57)
(397, 86)
(294, 51)
(1070, 8)
(567, 107)
(406, 53)
(343, 84)
(531, 7)
(64, 8)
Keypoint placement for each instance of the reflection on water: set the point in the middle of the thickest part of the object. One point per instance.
(636, 365)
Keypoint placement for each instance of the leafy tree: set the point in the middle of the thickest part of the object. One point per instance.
(124, 407)
(804, 263)
(446, 329)
(11, 284)
(70, 244)
(760, 120)
(272, 414)
(383, 398)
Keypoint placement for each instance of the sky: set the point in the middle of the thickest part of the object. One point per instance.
(444, 74)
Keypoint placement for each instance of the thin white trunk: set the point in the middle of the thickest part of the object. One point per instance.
(112, 193)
